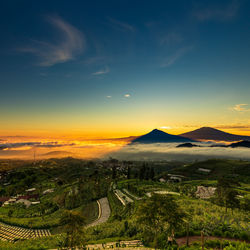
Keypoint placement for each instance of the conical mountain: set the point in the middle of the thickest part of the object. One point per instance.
(158, 136)
(207, 133)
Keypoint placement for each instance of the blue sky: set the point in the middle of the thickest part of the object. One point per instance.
(123, 67)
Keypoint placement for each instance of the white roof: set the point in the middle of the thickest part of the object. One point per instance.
(35, 202)
(50, 190)
(25, 202)
(12, 200)
(204, 170)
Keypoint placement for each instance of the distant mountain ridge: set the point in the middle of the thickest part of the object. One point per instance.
(243, 144)
(207, 133)
(158, 136)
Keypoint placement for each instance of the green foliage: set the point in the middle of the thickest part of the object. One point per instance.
(78, 184)
(73, 224)
(226, 195)
(160, 214)
(233, 169)
(51, 242)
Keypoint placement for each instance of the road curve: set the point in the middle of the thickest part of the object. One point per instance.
(104, 212)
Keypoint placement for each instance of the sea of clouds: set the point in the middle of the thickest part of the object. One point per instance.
(104, 150)
(169, 152)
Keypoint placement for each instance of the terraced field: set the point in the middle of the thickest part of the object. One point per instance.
(12, 233)
(124, 199)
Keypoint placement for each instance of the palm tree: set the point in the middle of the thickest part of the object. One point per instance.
(73, 225)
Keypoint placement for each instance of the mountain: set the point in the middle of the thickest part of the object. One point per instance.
(207, 133)
(158, 136)
(245, 144)
(187, 145)
(57, 154)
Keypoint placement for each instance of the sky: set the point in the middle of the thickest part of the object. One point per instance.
(117, 68)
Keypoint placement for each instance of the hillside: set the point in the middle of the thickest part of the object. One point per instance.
(207, 133)
(236, 169)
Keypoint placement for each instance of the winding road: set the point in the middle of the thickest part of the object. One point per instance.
(104, 212)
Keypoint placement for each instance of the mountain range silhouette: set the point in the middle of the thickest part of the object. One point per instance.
(201, 134)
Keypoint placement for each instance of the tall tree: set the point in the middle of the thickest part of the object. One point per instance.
(152, 173)
(128, 172)
(160, 214)
(226, 195)
(73, 225)
(142, 171)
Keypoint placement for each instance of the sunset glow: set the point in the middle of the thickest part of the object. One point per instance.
(77, 73)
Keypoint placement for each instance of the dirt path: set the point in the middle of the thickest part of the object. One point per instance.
(182, 241)
(104, 212)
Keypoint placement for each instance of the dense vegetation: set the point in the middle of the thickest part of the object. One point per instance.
(170, 209)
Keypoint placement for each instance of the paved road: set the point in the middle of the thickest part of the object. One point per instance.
(104, 212)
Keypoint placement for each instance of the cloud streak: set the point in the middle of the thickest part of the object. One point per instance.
(101, 72)
(121, 25)
(218, 13)
(70, 44)
(241, 107)
(170, 60)
(236, 126)
(171, 38)
(5, 146)
(165, 127)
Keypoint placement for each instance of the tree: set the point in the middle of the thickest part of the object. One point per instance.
(73, 225)
(152, 173)
(128, 172)
(42, 209)
(114, 163)
(226, 195)
(10, 212)
(160, 214)
(245, 205)
(142, 171)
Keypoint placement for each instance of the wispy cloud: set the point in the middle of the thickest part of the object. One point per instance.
(217, 12)
(165, 127)
(71, 43)
(5, 146)
(121, 25)
(108, 96)
(94, 60)
(241, 107)
(171, 38)
(101, 72)
(170, 60)
(234, 126)
(127, 95)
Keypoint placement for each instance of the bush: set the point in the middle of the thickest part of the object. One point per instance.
(244, 236)
(227, 234)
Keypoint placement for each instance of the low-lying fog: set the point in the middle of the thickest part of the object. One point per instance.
(169, 151)
(41, 149)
